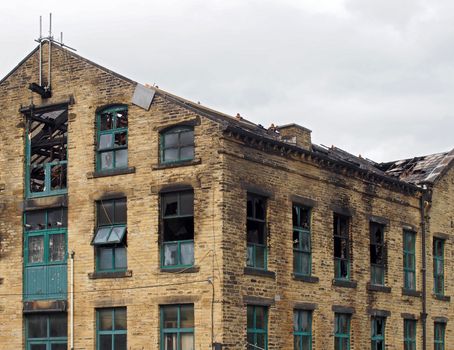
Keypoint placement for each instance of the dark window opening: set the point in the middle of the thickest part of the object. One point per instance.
(177, 213)
(256, 232)
(47, 331)
(341, 232)
(377, 254)
(46, 142)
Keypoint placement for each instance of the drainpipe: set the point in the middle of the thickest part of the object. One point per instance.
(422, 204)
(71, 305)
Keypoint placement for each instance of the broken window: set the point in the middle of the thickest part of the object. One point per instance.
(177, 213)
(377, 254)
(110, 236)
(378, 333)
(256, 232)
(301, 240)
(46, 143)
(341, 233)
(45, 236)
(438, 266)
(409, 260)
(112, 138)
(177, 144)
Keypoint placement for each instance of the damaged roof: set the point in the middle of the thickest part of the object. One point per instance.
(419, 170)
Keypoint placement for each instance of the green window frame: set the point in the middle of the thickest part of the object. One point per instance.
(409, 334)
(438, 266)
(341, 234)
(46, 331)
(302, 256)
(439, 335)
(377, 254)
(257, 327)
(177, 144)
(177, 327)
(256, 229)
(377, 338)
(342, 331)
(110, 236)
(45, 237)
(409, 260)
(177, 224)
(112, 138)
(302, 329)
(111, 328)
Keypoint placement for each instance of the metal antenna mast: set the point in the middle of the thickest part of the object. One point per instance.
(45, 91)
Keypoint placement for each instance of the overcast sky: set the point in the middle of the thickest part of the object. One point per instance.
(374, 77)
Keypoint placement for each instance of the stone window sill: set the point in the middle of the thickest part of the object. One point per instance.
(112, 172)
(344, 284)
(188, 269)
(258, 272)
(378, 288)
(303, 278)
(111, 274)
(411, 293)
(176, 164)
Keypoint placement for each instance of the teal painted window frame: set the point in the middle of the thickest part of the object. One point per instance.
(302, 255)
(47, 168)
(253, 331)
(178, 243)
(114, 247)
(377, 252)
(343, 238)
(254, 259)
(115, 130)
(377, 339)
(438, 266)
(113, 331)
(339, 334)
(439, 335)
(302, 336)
(49, 340)
(179, 131)
(409, 334)
(409, 255)
(178, 330)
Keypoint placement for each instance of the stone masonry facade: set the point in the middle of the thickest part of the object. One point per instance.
(233, 160)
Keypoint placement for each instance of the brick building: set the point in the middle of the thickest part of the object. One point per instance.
(131, 218)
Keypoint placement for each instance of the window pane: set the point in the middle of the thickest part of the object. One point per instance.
(297, 342)
(170, 254)
(106, 160)
(122, 118)
(121, 139)
(305, 242)
(256, 232)
(306, 321)
(38, 347)
(178, 229)
(105, 213)
(187, 152)
(307, 343)
(105, 141)
(171, 155)
(296, 323)
(37, 179)
(37, 326)
(120, 258)
(170, 341)
(58, 325)
(187, 253)
(187, 138)
(120, 342)
(186, 203)
(105, 258)
(57, 247)
(305, 264)
(120, 211)
(250, 207)
(35, 220)
(105, 342)
(187, 341)
(250, 255)
(59, 346)
(170, 204)
(260, 209)
(36, 249)
(57, 218)
(170, 140)
(260, 317)
(260, 256)
(170, 314)
(187, 316)
(250, 317)
(101, 235)
(120, 319)
(106, 121)
(260, 340)
(251, 342)
(105, 319)
(121, 158)
(117, 234)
